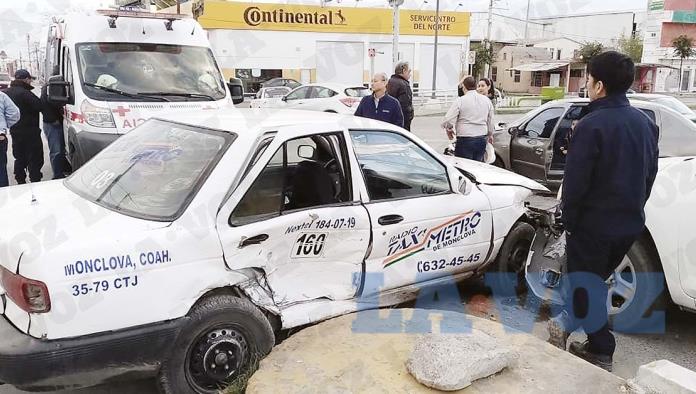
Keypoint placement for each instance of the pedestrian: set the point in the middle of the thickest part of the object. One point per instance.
(53, 129)
(485, 87)
(609, 174)
(399, 87)
(27, 146)
(9, 115)
(470, 118)
(380, 105)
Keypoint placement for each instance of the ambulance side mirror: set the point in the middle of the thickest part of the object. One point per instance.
(59, 91)
(236, 90)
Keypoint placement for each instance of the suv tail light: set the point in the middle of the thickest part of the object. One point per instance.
(349, 101)
(30, 295)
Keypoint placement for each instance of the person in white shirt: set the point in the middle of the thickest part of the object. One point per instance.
(470, 118)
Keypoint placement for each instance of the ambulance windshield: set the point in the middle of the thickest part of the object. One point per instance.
(176, 72)
(152, 172)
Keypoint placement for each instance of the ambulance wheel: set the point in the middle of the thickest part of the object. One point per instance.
(219, 346)
(509, 266)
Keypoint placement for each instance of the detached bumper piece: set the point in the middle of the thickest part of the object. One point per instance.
(547, 259)
(39, 365)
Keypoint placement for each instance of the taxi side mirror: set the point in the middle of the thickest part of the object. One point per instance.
(465, 186)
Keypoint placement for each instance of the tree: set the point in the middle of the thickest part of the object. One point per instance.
(683, 47)
(632, 47)
(588, 50)
(484, 56)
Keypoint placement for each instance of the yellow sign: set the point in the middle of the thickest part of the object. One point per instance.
(284, 17)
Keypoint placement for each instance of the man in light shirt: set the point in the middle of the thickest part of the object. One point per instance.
(470, 118)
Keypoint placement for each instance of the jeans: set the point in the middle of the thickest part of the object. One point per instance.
(56, 148)
(472, 148)
(4, 181)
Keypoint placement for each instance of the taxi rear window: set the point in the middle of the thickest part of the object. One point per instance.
(154, 171)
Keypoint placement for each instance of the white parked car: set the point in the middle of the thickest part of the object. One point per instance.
(186, 243)
(325, 97)
(269, 97)
(659, 267)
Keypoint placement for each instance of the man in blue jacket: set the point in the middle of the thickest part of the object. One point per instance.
(379, 105)
(609, 173)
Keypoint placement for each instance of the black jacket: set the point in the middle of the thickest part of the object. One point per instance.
(51, 113)
(388, 109)
(610, 169)
(29, 107)
(400, 89)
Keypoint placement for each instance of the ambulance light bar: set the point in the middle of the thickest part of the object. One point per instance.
(115, 14)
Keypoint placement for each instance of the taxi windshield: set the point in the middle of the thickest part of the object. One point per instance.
(153, 172)
(139, 71)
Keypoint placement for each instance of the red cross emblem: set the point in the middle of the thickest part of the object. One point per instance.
(120, 111)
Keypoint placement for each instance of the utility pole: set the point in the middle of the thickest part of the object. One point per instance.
(526, 24)
(488, 34)
(29, 54)
(437, 29)
(178, 6)
(395, 37)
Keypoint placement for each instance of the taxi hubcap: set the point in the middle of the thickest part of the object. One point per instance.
(217, 358)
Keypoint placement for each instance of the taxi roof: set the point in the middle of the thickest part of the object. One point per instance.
(256, 121)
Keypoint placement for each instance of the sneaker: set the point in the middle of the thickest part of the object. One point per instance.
(581, 349)
(558, 336)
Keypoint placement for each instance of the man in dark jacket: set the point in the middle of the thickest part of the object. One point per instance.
(609, 173)
(379, 105)
(399, 88)
(53, 129)
(27, 147)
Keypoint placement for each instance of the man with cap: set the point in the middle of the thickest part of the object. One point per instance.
(27, 146)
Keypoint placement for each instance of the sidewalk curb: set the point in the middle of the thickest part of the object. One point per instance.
(665, 377)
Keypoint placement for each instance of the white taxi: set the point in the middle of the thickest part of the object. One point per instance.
(185, 245)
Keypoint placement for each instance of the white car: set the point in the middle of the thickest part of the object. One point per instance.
(185, 244)
(325, 97)
(269, 97)
(659, 267)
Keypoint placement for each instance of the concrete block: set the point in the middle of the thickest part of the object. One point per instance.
(665, 377)
(453, 362)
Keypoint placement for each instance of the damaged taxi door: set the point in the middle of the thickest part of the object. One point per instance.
(295, 217)
(423, 228)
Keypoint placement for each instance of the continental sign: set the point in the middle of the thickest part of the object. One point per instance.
(284, 17)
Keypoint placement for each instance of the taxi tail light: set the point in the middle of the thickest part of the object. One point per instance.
(29, 295)
(349, 101)
(97, 116)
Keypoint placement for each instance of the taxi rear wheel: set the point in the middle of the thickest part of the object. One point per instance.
(220, 346)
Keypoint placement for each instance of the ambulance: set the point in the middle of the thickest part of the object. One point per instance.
(114, 69)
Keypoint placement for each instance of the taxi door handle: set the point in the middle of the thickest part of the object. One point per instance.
(390, 219)
(253, 240)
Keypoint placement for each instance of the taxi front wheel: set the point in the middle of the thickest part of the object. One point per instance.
(220, 346)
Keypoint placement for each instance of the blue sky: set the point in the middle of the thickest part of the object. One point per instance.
(19, 17)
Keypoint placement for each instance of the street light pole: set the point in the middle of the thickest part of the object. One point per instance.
(395, 37)
(526, 24)
(437, 29)
(488, 33)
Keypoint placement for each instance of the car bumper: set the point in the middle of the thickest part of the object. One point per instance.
(89, 144)
(34, 364)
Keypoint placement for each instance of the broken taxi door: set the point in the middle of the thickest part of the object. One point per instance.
(295, 216)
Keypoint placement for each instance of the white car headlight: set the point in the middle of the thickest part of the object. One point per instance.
(97, 116)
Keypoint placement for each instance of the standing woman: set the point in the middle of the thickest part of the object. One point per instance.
(485, 87)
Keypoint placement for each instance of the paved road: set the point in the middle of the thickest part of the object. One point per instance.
(676, 344)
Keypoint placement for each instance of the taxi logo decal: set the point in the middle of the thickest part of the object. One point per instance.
(442, 236)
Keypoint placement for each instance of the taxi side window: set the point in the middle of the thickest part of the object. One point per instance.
(304, 173)
(395, 167)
